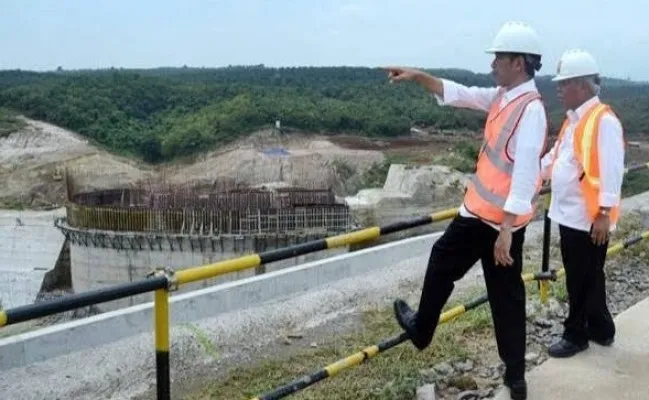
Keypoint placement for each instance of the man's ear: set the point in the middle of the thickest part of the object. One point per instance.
(520, 62)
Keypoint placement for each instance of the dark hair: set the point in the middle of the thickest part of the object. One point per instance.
(532, 62)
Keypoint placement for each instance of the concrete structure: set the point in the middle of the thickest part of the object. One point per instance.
(408, 191)
(29, 247)
(599, 373)
(121, 235)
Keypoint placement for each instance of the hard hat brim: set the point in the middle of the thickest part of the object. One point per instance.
(560, 78)
(493, 50)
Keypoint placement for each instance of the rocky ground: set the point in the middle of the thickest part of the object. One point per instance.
(478, 377)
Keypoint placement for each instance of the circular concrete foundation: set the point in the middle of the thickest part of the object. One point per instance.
(121, 235)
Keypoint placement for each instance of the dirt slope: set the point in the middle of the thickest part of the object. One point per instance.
(32, 161)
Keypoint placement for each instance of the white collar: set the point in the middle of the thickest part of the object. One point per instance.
(511, 94)
(575, 115)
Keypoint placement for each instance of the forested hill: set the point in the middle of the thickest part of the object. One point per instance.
(159, 114)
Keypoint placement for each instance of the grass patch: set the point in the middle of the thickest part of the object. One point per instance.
(631, 224)
(204, 340)
(462, 158)
(393, 375)
(16, 205)
(634, 183)
(9, 123)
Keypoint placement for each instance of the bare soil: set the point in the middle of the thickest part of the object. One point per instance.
(33, 160)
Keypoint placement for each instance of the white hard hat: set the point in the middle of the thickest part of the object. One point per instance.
(516, 37)
(575, 63)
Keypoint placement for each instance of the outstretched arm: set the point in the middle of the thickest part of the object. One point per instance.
(445, 91)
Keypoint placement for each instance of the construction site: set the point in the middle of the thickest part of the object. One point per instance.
(119, 235)
(105, 221)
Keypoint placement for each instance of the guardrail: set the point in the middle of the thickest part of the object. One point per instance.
(161, 281)
(371, 351)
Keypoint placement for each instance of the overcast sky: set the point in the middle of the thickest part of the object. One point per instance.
(40, 34)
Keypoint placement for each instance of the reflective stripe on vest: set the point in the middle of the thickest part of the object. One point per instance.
(494, 168)
(588, 136)
(492, 197)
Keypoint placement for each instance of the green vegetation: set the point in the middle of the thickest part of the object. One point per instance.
(161, 114)
(393, 375)
(635, 182)
(462, 158)
(9, 123)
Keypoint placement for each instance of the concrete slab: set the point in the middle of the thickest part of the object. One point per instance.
(29, 247)
(618, 372)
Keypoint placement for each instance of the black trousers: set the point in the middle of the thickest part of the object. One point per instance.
(588, 315)
(464, 242)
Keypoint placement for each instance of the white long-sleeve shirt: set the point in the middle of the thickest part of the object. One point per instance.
(525, 146)
(567, 205)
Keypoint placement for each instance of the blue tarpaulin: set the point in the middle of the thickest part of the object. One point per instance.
(275, 151)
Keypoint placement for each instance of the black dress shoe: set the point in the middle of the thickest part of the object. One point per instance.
(603, 342)
(564, 348)
(406, 318)
(517, 389)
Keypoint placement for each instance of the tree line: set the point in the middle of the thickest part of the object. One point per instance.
(164, 113)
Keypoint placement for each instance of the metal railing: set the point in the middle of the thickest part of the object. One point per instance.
(161, 281)
(369, 352)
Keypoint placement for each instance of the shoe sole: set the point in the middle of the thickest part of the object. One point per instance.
(403, 326)
(517, 397)
(604, 343)
(397, 315)
(567, 355)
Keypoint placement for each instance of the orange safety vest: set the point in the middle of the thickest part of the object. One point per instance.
(586, 150)
(488, 189)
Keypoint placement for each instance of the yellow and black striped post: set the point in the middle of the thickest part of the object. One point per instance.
(161, 322)
(161, 332)
(545, 261)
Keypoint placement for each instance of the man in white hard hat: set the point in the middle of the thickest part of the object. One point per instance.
(498, 203)
(586, 167)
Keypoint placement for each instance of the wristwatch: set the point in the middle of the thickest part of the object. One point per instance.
(604, 212)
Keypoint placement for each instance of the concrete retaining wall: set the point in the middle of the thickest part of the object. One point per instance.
(29, 247)
(95, 266)
(27, 348)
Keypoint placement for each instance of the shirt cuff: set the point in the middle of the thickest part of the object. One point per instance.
(450, 93)
(517, 206)
(608, 199)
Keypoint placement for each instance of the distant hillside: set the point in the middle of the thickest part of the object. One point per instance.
(164, 113)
